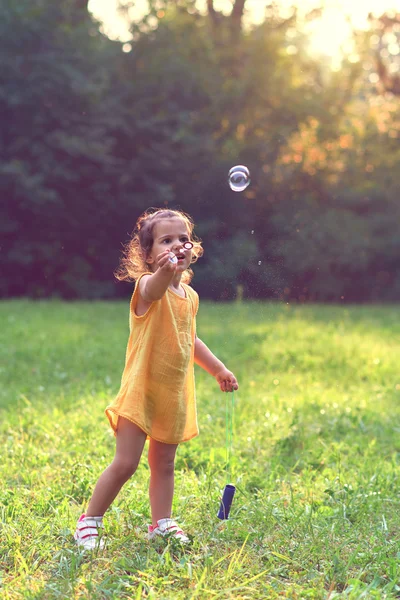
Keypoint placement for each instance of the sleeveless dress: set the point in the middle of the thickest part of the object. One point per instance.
(157, 390)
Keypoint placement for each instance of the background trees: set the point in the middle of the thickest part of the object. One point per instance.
(91, 136)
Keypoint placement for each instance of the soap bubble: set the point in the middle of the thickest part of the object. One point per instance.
(239, 178)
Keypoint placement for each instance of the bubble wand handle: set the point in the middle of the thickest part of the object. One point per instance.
(226, 502)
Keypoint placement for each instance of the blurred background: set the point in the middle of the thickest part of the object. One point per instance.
(108, 109)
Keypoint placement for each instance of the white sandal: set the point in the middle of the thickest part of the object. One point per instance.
(167, 528)
(87, 535)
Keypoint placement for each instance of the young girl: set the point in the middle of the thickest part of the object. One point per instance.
(157, 394)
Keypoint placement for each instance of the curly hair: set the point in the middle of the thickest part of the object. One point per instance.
(133, 261)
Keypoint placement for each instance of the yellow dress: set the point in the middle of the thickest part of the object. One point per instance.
(157, 390)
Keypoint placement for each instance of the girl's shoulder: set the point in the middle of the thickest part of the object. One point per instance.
(143, 275)
(137, 306)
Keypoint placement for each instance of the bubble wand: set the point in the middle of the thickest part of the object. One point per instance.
(185, 246)
(230, 489)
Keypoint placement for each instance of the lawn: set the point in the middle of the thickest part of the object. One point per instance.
(316, 456)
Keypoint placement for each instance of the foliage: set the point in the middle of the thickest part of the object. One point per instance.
(92, 136)
(315, 457)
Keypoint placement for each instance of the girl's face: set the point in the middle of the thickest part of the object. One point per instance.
(170, 234)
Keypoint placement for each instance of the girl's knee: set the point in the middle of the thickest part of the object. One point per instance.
(166, 466)
(162, 459)
(124, 468)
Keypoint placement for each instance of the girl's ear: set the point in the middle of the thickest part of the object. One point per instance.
(151, 256)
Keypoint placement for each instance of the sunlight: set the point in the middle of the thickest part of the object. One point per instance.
(329, 34)
(114, 25)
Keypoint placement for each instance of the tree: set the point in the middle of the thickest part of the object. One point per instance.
(387, 26)
(81, 149)
(91, 136)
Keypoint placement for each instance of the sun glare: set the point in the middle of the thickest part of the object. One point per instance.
(329, 35)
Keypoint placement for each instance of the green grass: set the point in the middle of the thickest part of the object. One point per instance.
(316, 457)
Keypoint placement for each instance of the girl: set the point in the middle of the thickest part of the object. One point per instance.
(157, 394)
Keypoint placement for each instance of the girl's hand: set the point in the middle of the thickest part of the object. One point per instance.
(226, 380)
(164, 262)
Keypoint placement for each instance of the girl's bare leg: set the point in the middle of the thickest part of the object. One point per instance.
(130, 442)
(162, 463)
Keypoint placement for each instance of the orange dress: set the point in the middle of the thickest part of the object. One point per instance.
(157, 390)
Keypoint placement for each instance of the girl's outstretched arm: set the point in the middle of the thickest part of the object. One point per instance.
(210, 363)
(153, 287)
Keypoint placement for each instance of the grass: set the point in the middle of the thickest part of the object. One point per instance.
(316, 457)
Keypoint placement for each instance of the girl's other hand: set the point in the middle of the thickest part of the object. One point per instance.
(226, 380)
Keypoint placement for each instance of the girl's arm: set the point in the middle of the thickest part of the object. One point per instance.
(153, 287)
(210, 363)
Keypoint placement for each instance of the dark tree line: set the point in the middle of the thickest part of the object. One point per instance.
(91, 136)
